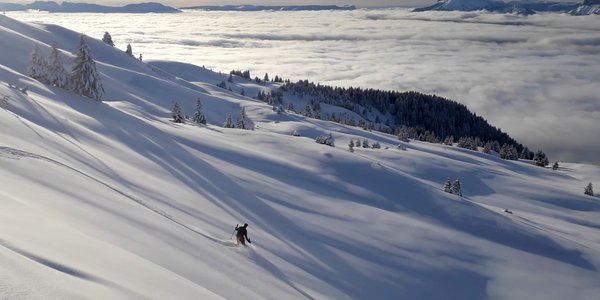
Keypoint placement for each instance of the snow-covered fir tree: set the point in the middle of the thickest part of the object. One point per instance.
(222, 84)
(241, 122)
(456, 187)
(177, 114)
(325, 139)
(555, 166)
(129, 51)
(278, 109)
(589, 190)
(4, 101)
(230, 79)
(376, 145)
(448, 186)
(508, 152)
(351, 146)
(84, 78)
(307, 110)
(290, 106)
(496, 146)
(228, 122)
(449, 141)
(487, 148)
(403, 134)
(57, 75)
(525, 153)
(468, 143)
(198, 116)
(38, 67)
(365, 143)
(540, 159)
(266, 79)
(107, 39)
(316, 109)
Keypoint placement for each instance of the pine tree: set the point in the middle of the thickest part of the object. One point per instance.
(57, 75)
(540, 159)
(241, 123)
(555, 166)
(198, 116)
(325, 139)
(449, 141)
(38, 67)
(266, 79)
(230, 79)
(403, 134)
(376, 145)
(176, 113)
(448, 186)
(308, 110)
(487, 148)
(456, 188)
(508, 152)
(278, 109)
(463, 142)
(514, 154)
(228, 122)
(351, 146)
(365, 143)
(129, 51)
(524, 153)
(496, 146)
(84, 78)
(222, 85)
(589, 190)
(107, 39)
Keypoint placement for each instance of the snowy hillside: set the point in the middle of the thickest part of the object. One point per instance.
(513, 7)
(112, 200)
(586, 10)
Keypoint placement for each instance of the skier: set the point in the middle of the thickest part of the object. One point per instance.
(241, 234)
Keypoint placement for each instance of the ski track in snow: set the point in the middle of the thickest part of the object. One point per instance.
(12, 153)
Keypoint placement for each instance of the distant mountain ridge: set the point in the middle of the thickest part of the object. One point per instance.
(73, 7)
(271, 7)
(515, 7)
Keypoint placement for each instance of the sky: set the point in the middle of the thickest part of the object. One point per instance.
(178, 3)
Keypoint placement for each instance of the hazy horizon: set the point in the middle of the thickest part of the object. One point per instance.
(179, 3)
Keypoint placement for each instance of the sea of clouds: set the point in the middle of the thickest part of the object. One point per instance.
(536, 77)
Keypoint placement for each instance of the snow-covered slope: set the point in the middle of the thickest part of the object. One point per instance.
(515, 7)
(586, 10)
(111, 200)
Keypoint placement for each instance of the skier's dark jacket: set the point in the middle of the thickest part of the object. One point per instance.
(242, 232)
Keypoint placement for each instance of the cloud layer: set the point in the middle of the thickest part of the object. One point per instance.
(536, 77)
